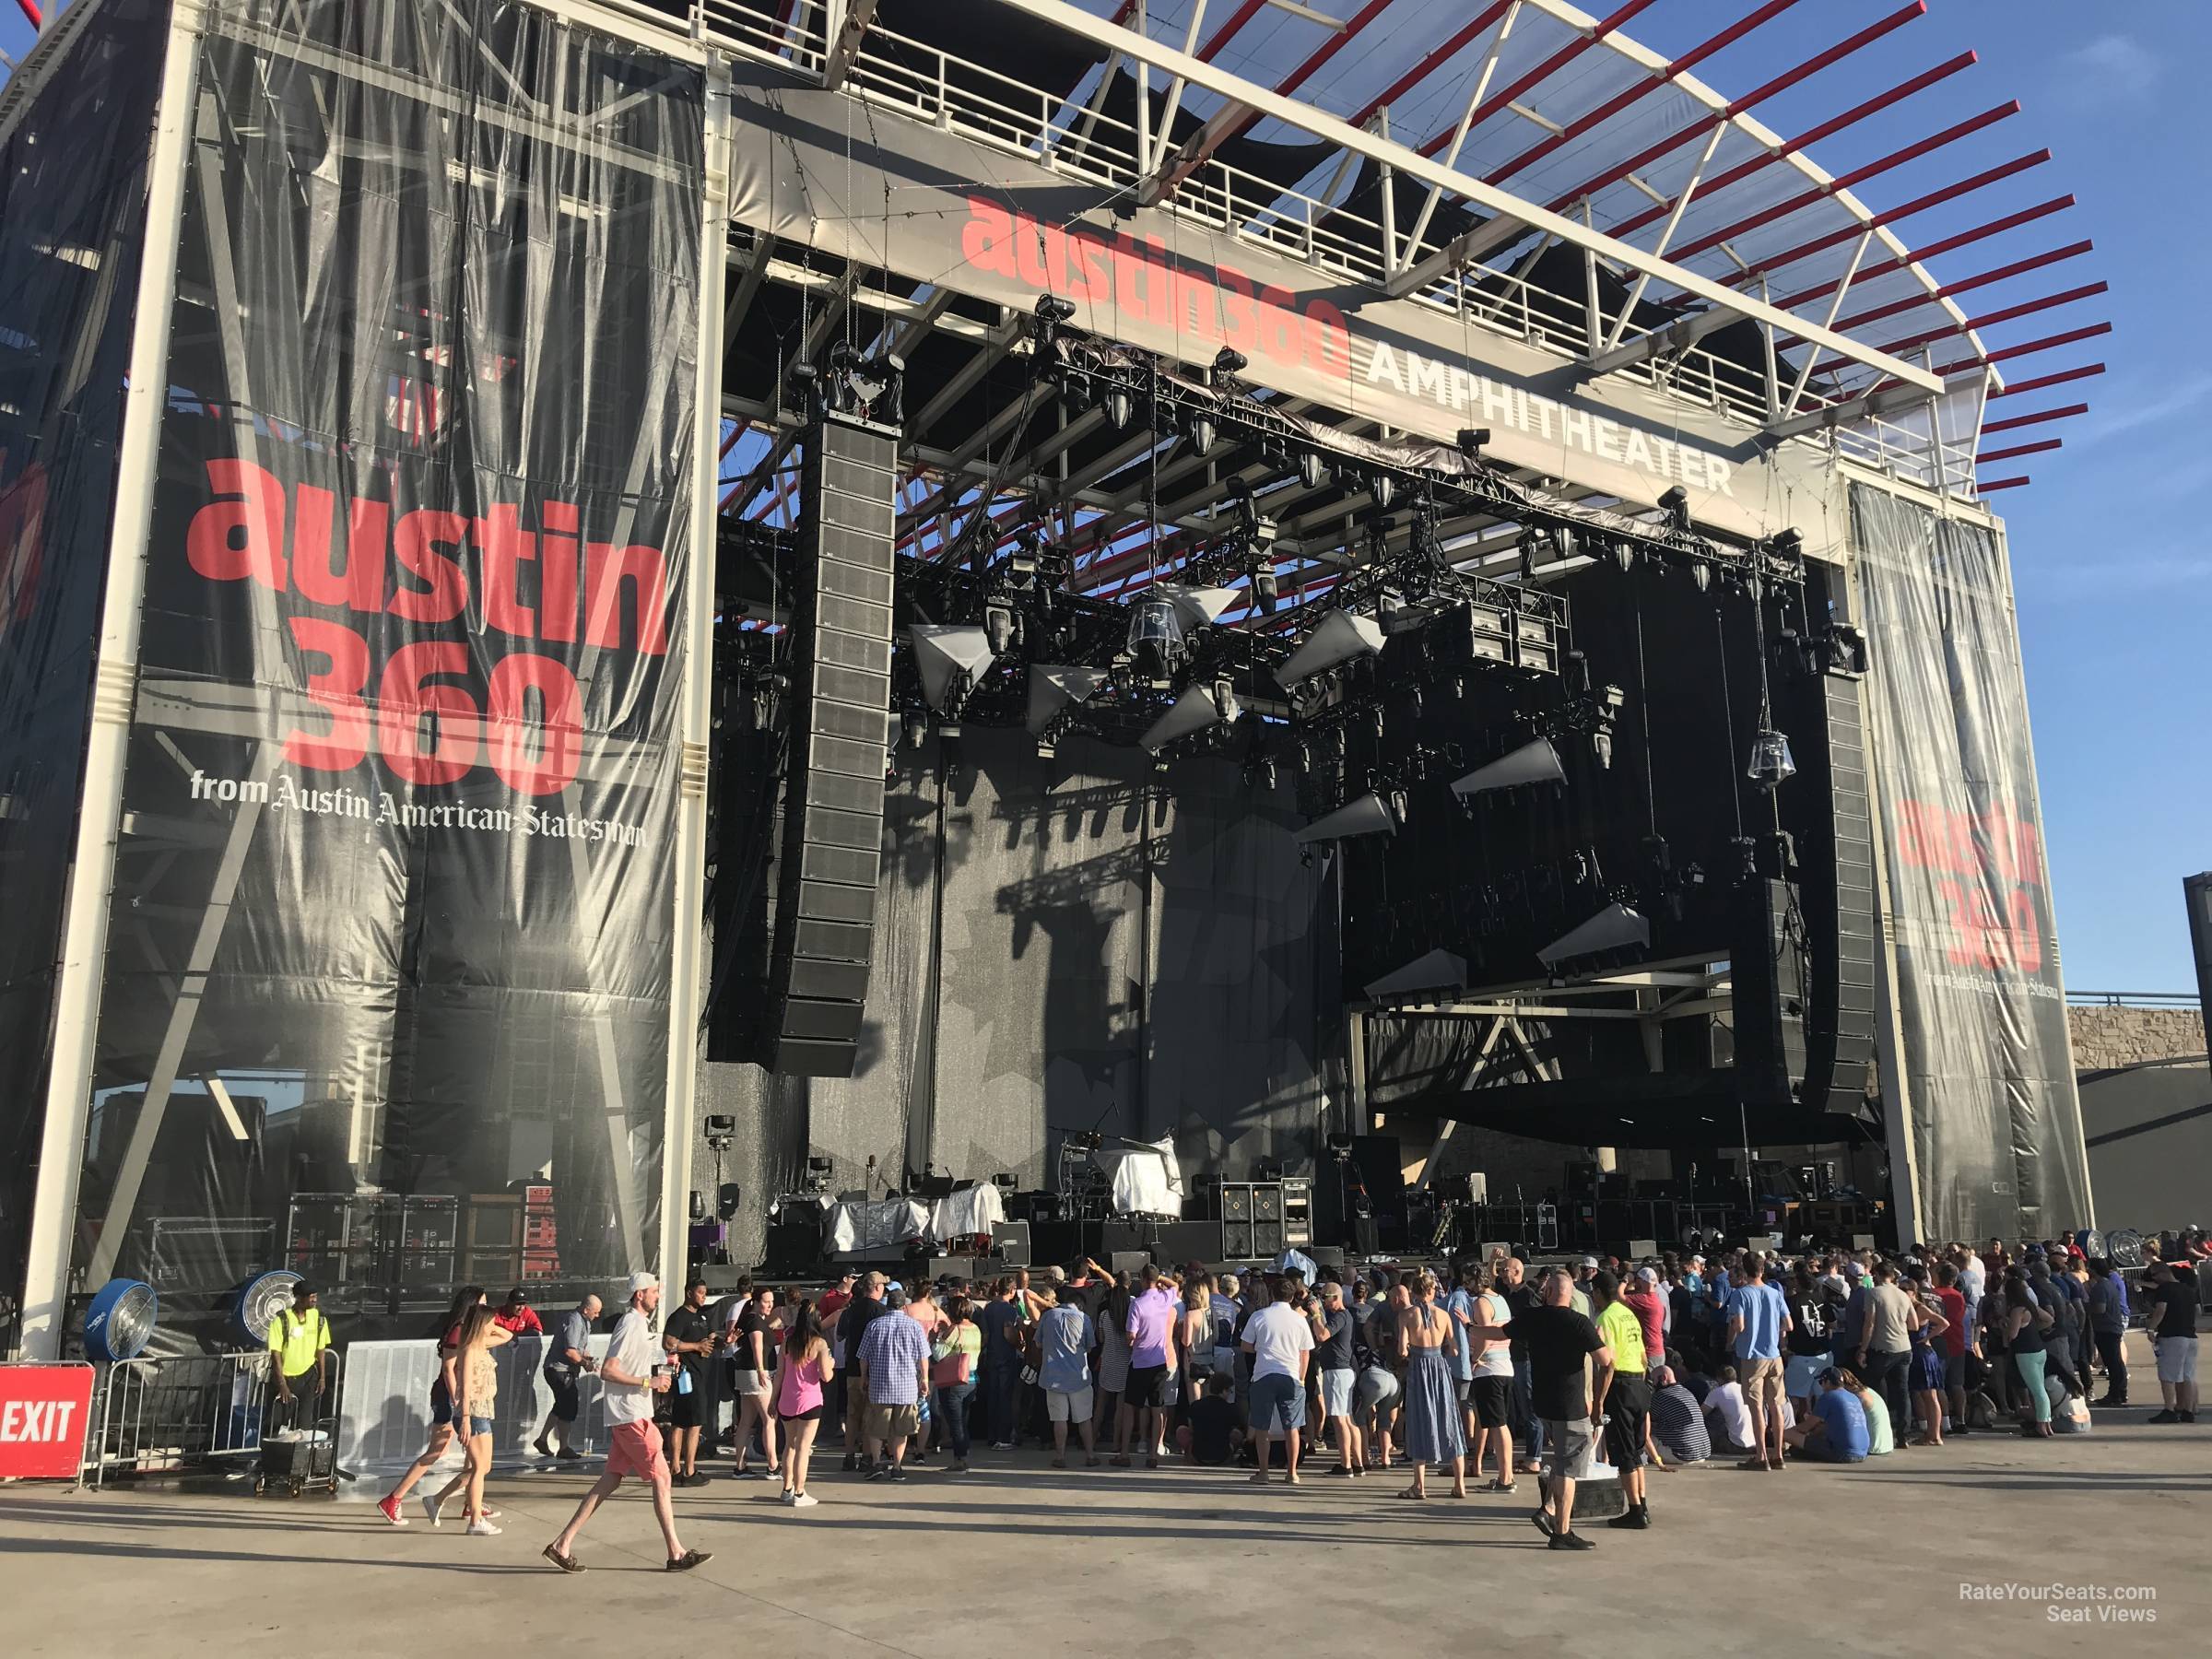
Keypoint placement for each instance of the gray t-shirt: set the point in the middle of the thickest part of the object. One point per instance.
(1888, 1308)
(574, 1331)
(1063, 1338)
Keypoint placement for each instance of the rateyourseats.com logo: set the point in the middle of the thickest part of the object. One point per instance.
(2074, 1604)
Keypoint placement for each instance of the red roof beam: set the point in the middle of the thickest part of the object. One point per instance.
(1988, 320)
(2043, 380)
(1541, 72)
(1834, 124)
(1429, 65)
(2067, 412)
(2020, 449)
(1241, 16)
(2011, 221)
(2019, 267)
(2025, 349)
(1783, 82)
(1986, 485)
(1857, 176)
(1641, 89)
(1297, 77)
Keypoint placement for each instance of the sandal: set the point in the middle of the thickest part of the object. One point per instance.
(1416, 1497)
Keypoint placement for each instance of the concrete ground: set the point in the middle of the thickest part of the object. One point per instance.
(1018, 1559)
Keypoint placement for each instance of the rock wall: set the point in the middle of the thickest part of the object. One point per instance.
(2106, 1039)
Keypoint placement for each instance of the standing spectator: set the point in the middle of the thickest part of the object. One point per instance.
(1427, 1341)
(1625, 1405)
(1281, 1345)
(1885, 1350)
(752, 1379)
(2173, 1338)
(1002, 1322)
(1560, 1343)
(1376, 1391)
(894, 1366)
(1151, 1359)
(690, 1340)
(1520, 1296)
(476, 1391)
(2108, 1328)
(1493, 1388)
(567, 1360)
(1332, 1356)
(802, 1385)
(863, 1310)
(1758, 1321)
(1112, 1406)
(517, 1317)
(300, 1360)
(1462, 1303)
(1957, 1336)
(629, 1379)
(1640, 1291)
(1677, 1421)
(953, 1357)
(1065, 1340)
(442, 1428)
(1810, 1350)
(2027, 1339)
(1926, 1370)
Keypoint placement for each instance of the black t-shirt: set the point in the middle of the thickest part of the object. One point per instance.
(1211, 1423)
(1334, 1352)
(2177, 1304)
(859, 1314)
(749, 1322)
(1559, 1340)
(690, 1325)
(1812, 1325)
(1520, 1299)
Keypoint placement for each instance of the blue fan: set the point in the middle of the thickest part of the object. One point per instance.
(120, 1323)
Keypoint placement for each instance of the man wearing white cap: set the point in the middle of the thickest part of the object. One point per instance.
(629, 1377)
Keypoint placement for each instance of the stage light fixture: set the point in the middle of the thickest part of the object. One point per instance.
(1228, 362)
(998, 627)
(1385, 490)
(1528, 543)
(1199, 429)
(1267, 774)
(1676, 502)
(917, 728)
(1601, 745)
(1312, 468)
(1471, 441)
(1051, 307)
(1624, 555)
(1701, 574)
(1225, 700)
(1398, 807)
(950, 658)
(1196, 607)
(1338, 638)
(1156, 635)
(1770, 764)
(1265, 588)
(1119, 406)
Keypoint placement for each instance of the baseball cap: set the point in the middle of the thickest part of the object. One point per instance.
(1589, 1261)
(643, 1281)
(1650, 1276)
(894, 1298)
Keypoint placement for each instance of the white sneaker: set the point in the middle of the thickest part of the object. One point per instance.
(483, 1529)
(429, 1506)
(804, 1501)
(788, 1496)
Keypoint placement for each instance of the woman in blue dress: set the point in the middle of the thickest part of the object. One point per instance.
(1427, 1342)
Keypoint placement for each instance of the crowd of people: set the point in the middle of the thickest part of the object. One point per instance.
(1567, 1373)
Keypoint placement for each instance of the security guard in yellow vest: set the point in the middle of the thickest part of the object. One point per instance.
(299, 1356)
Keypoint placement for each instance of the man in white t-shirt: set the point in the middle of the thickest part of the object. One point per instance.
(1280, 1342)
(629, 1377)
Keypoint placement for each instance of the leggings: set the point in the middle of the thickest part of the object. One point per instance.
(2030, 1367)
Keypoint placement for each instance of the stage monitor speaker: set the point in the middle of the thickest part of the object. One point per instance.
(1182, 1242)
(1132, 1262)
(961, 1267)
(1642, 1248)
(1010, 1242)
(840, 713)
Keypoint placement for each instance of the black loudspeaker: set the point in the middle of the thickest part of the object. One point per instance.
(840, 710)
(1768, 965)
(1267, 1201)
(1181, 1243)
(1132, 1262)
(1837, 893)
(962, 1267)
(1010, 1242)
(1236, 1201)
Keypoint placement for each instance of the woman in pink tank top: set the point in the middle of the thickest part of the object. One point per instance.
(806, 1367)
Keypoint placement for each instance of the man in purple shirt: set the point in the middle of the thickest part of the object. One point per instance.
(1152, 1360)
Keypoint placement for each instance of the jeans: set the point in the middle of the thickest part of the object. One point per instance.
(1528, 1425)
(1000, 1384)
(1887, 1373)
(952, 1411)
(2113, 1349)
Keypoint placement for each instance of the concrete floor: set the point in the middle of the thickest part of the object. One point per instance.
(1017, 1558)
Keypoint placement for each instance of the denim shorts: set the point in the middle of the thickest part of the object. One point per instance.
(1277, 1402)
(477, 1425)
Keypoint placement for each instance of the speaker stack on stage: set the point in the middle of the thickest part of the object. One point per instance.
(818, 979)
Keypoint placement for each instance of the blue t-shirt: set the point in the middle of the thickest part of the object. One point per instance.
(1846, 1420)
(893, 1352)
(1761, 1309)
(1064, 1338)
(1459, 1301)
(1000, 1322)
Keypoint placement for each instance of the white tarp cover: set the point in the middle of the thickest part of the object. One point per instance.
(1145, 1183)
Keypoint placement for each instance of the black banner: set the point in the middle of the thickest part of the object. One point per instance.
(387, 994)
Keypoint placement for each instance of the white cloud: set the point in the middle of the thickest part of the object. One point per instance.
(2148, 411)
(2112, 66)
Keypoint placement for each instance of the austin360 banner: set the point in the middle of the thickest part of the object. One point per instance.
(387, 989)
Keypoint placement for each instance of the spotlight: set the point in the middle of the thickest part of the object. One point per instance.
(1199, 429)
(1385, 489)
(1528, 545)
(1267, 774)
(1677, 503)
(1051, 307)
(1624, 556)
(1770, 764)
(1397, 805)
(1156, 634)
(1701, 574)
(917, 728)
(998, 627)
(1228, 362)
(1601, 745)
(1471, 441)
(1225, 700)
(1119, 406)
(1312, 468)
(1265, 589)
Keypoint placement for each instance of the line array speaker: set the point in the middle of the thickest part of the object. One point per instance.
(825, 926)
(1839, 1038)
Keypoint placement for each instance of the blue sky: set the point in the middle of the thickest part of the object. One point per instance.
(2112, 570)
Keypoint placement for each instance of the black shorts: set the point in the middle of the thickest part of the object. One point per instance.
(566, 1405)
(1628, 1408)
(688, 1410)
(441, 1405)
(1146, 1388)
(813, 1414)
(1493, 1402)
(1462, 1389)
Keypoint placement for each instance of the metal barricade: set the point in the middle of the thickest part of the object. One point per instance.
(190, 1413)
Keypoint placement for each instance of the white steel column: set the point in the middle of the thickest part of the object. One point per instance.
(115, 679)
(695, 713)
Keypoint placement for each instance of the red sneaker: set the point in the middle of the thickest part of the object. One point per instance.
(390, 1507)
